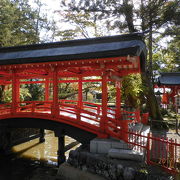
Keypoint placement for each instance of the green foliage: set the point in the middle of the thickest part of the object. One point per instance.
(96, 18)
(132, 90)
(7, 95)
(24, 93)
(17, 23)
(20, 24)
(171, 12)
(111, 92)
(36, 92)
(68, 90)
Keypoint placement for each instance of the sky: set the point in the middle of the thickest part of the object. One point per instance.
(49, 5)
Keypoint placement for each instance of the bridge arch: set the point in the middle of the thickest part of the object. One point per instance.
(59, 128)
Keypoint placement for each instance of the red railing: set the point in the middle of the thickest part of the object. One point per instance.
(5, 108)
(85, 114)
(133, 116)
(34, 107)
(88, 113)
(163, 152)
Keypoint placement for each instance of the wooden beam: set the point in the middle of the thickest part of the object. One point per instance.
(47, 89)
(55, 108)
(118, 101)
(103, 122)
(15, 92)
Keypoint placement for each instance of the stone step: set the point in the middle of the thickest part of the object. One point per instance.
(127, 154)
(102, 146)
(139, 129)
(136, 127)
(142, 140)
(145, 130)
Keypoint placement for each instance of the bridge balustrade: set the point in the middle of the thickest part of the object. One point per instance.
(89, 115)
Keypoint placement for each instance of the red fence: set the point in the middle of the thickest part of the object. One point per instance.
(164, 152)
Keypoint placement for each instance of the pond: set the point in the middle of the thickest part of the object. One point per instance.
(32, 160)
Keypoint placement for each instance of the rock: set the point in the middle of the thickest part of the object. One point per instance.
(67, 172)
(119, 170)
(112, 171)
(129, 173)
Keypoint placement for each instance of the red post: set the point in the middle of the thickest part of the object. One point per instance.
(33, 107)
(148, 149)
(80, 98)
(103, 122)
(15, 91)
(118, 101)
(47, 89)
(55, 106)
(124, 127)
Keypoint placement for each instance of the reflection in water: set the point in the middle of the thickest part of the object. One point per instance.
(32, 160)
(46, 151)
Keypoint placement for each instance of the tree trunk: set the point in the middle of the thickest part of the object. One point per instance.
(128, 12)
(2, 87)
(152, 104)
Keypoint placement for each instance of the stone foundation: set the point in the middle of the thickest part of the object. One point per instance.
(114, 169)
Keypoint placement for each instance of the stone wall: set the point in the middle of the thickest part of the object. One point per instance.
(114, 169)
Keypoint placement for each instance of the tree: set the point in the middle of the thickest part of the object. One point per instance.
(36, 91)
(90, 18)
(16, 27)
(132, 90)
(7, 94)
(20, 24)
(169, 55)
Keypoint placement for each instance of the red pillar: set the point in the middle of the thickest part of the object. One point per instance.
(47, 89)
(103, 122)
(80, 97)
(175, 92)
(123, 123)
(118, 101)
(164, 90)
(55, 106)
(80, 93)
(15, 91)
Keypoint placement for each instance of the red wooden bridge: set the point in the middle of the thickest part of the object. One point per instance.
(100, 60)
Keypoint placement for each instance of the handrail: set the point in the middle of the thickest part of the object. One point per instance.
(89, 111)
(131, 114)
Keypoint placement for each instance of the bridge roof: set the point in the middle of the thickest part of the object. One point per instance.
(170, 78)
(101, 47)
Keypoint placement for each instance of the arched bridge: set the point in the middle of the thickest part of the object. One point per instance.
(88, 118)
(100, 61)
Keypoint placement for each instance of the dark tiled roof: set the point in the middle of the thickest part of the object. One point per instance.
(110, 46)
(170, 78)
